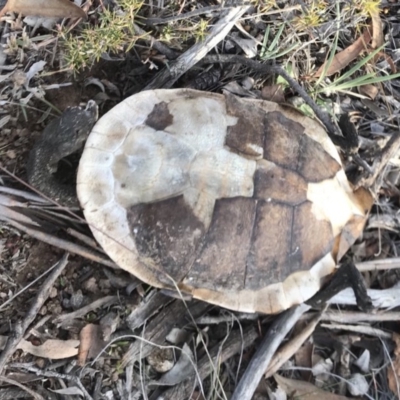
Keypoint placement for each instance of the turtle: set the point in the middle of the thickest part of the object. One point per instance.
(242, 203)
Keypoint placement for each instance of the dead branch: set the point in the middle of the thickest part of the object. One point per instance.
(170, 74)
(68, 318)
(290, 348)
(190, 14)
(352, 317)
(62, 244)
(262, 358)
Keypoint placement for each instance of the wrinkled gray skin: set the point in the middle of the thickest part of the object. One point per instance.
(61, 137)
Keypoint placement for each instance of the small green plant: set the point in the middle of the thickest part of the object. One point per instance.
(200, 31)
(265, 5)
(114, 33)
(178, 33)
(313, 17)
(367, 7)
(168, 34)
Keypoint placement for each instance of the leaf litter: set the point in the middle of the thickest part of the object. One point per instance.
(33, 72)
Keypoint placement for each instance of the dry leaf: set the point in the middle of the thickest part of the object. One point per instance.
(394, 368)
(363, 362)
(377, 31)
(92, 343)
(370, 91)
(273, 93)
(322, 367)
(303, 358)
(54, 349)
(34, 70)
(346, 56)
(4, 121)
(304, 390)
(44, 8)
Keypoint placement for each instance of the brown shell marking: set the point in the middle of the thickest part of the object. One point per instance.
(168, 233)
(238, 202)
(286, 145)
(160, 118)
(247, 135)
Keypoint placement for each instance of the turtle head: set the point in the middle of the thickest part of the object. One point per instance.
(74, 127)
(77, 122)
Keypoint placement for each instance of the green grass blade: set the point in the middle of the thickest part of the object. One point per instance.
(359, 64)
(333, 50)
(263, 51)
(284, 52)
(276, 38)
(369, 79)
(330, 59)
(372, 80)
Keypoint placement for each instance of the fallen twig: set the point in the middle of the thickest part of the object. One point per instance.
(21, 327)
(365, 330)
(346, 317)
(379, 265)
(235, 343)
(52, 374)
(385, 298)
(190, 14)
(22, 193)
(105, 301)
(262, 358)
(147, 308)
(170, 74)
(10, 300)
(35, 395)
(85, 239)
(290, 348)
(346, 276)
(158, 328)
(63, 244)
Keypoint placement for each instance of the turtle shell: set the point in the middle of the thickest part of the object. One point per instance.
(242, 203)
